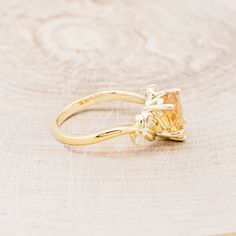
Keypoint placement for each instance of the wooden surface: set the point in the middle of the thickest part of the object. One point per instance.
(54, 52)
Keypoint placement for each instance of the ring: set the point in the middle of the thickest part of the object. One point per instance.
(161, 116)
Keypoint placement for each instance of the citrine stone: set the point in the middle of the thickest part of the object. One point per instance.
(172, 120)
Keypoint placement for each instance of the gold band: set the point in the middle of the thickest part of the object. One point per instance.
(88, 101)
(153, 121)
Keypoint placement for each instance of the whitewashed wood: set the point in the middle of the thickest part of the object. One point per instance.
(53, 52)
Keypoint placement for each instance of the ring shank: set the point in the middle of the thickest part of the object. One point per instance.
(88, 101)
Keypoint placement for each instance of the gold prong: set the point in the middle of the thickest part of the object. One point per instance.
(161, 123)
(175, 90)
(177, 135)
(149, 134)
(161, 94)
(160, 107)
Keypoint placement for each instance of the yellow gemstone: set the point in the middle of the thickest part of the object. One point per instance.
(172, 120)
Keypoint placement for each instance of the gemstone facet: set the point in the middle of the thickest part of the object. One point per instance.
(173, 119)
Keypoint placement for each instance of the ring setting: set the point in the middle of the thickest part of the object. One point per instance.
(161, 117)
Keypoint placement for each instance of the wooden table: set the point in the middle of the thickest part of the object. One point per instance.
(54, 52)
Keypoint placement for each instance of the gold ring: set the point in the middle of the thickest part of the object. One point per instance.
(161, 117)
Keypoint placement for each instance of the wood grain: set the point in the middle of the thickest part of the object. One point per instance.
(53, 52)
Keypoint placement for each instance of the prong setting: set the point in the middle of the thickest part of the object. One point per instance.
(155, 119)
